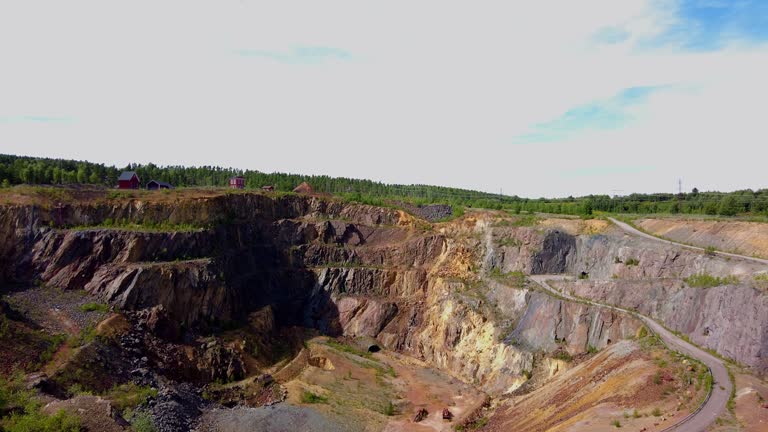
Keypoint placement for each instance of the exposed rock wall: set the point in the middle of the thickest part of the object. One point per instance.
(647, 275)
(549, 323)
(343, 269)
(603, 256)
(731, 319)
(558, 247)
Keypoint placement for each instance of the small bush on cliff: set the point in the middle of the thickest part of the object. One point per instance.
(26, 414)
(36, 421)
(389, 409)
(311, 398)
(94, 307)
(705, 280)
(130, 395)
(562, 355)
(86, 336)
(710, 250)
(140, 421)
(632, 262)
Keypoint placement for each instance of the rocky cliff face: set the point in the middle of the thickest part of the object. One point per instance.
(439, 293)
(729, 319)
(646, 275)
(343, 269)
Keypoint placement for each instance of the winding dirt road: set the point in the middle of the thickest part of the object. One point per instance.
(634, 231)
(721, 388)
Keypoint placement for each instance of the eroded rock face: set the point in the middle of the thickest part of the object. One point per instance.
(730, 319)
(221, 362)
(353, 270)
(189, 291)
(550, 323)
(556, 249)
(647, 275)
(603, 256)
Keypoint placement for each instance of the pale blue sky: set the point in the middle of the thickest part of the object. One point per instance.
(550, 98)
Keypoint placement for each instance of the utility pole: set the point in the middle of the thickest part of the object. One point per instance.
(679, 186)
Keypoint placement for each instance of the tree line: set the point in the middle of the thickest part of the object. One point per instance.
(15, 170)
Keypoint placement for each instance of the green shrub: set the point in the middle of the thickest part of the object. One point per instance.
(656, 412)
(27, 415)
(592, 350)
(36, 421)
(54, 342)
(141, 422)
(710, 250)
(731, 405)
(562, 355)
(705, 280)
(729, 206)
(311, 398)
(477, 424)
(86, 336)
(94, 307)
(130, 395)
(389, 409)
(616, 424)
(643, 332)
(632, 262)
(657, 378)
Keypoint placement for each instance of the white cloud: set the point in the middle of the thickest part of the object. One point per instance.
(431, 92)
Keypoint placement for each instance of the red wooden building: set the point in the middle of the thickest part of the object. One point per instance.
(237, 182)
(128, 180)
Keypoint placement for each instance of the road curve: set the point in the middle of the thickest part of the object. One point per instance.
(632, 230)
(721, 387)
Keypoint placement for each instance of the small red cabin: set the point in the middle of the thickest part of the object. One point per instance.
(237, 182)
(128, 180)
